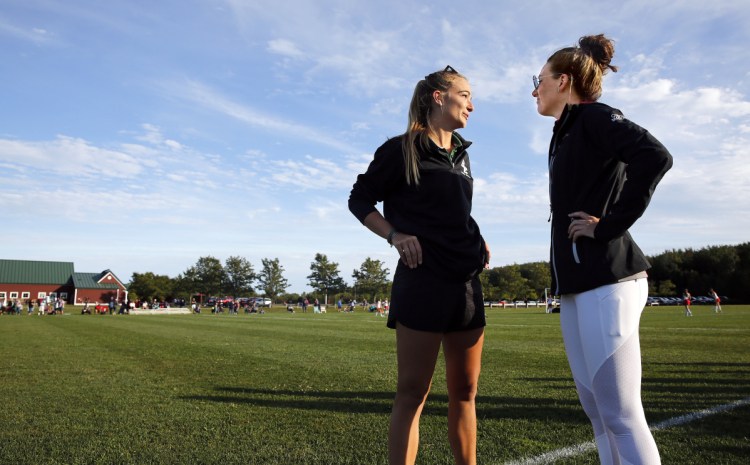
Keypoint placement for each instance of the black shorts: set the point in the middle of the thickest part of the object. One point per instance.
(422, 301)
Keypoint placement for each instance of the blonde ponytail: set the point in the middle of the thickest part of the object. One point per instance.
(420, 110)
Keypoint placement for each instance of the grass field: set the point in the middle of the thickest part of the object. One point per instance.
(317, 389)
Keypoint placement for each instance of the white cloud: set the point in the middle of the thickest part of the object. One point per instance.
(313, 174)
(35, 35)
(69, 156)
(539, 141)
(324, 208)
(207, 97)
(506, 198)
(284, 47)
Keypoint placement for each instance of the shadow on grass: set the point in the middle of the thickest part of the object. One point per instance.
(682, 387)
(702, 382)
(693, 387)
(380, 402)
(724, 368)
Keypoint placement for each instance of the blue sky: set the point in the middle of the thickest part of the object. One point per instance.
(140, 136)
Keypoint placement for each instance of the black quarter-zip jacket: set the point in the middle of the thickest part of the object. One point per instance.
(437, 211)
(607, 166)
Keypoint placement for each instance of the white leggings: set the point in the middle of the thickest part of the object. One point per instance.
(600, 330)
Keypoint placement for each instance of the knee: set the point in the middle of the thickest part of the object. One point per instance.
(411, 395)
(621, 419)
(464, 391)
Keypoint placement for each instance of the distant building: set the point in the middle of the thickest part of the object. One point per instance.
(26, 279)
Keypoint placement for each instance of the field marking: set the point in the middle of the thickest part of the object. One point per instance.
(545, 325)
(585, 447)
(654, 328)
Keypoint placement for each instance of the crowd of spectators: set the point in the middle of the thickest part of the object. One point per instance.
(231, 306)
(43, 306)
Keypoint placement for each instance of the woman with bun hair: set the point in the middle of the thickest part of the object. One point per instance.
(603, 170)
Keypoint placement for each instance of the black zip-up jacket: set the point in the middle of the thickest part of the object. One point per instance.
(607, 166)
(437, 211)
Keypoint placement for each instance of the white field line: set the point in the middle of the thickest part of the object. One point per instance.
(580, 449)
(697, 329)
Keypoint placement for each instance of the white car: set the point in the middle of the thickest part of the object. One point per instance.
(261, 301)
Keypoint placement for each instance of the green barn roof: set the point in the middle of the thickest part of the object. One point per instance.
(33, 272)
(91, 281)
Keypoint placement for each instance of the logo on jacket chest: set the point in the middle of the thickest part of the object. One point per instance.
(465, 169)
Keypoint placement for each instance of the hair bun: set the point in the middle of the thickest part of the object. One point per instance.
(600, 49)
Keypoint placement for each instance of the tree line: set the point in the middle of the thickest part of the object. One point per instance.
(237, 277)
(724, 268)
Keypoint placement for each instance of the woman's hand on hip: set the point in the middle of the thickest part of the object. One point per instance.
(582, 225)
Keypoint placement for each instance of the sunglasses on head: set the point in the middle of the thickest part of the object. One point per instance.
(448, 69)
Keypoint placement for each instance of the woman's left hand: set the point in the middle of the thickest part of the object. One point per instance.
(409, 249)
(581, 225)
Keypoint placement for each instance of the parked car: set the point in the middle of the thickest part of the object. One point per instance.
(261, 301)
(651, 301)
(211, 301)
(703, 299)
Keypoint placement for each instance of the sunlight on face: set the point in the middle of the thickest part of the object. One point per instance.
(457, 103)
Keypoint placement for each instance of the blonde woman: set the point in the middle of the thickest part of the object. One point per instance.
(423, 177)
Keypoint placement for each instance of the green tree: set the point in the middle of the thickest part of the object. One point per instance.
(371, 279)
(183, 287)
(489, 291)
(149, 286)
(668, 266)
(737, 285)
(665, 288)
(239, 276)
(324, 276)
(271, 278)
(725, 268)
(206, 277)
(511, 283)
(537, 275)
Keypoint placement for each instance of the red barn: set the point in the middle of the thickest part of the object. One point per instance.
(25, 279)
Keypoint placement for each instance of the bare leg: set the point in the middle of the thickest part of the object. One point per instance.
(463, 356)
(417, 353)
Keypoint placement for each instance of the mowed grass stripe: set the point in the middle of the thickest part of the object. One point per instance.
(317, 389)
